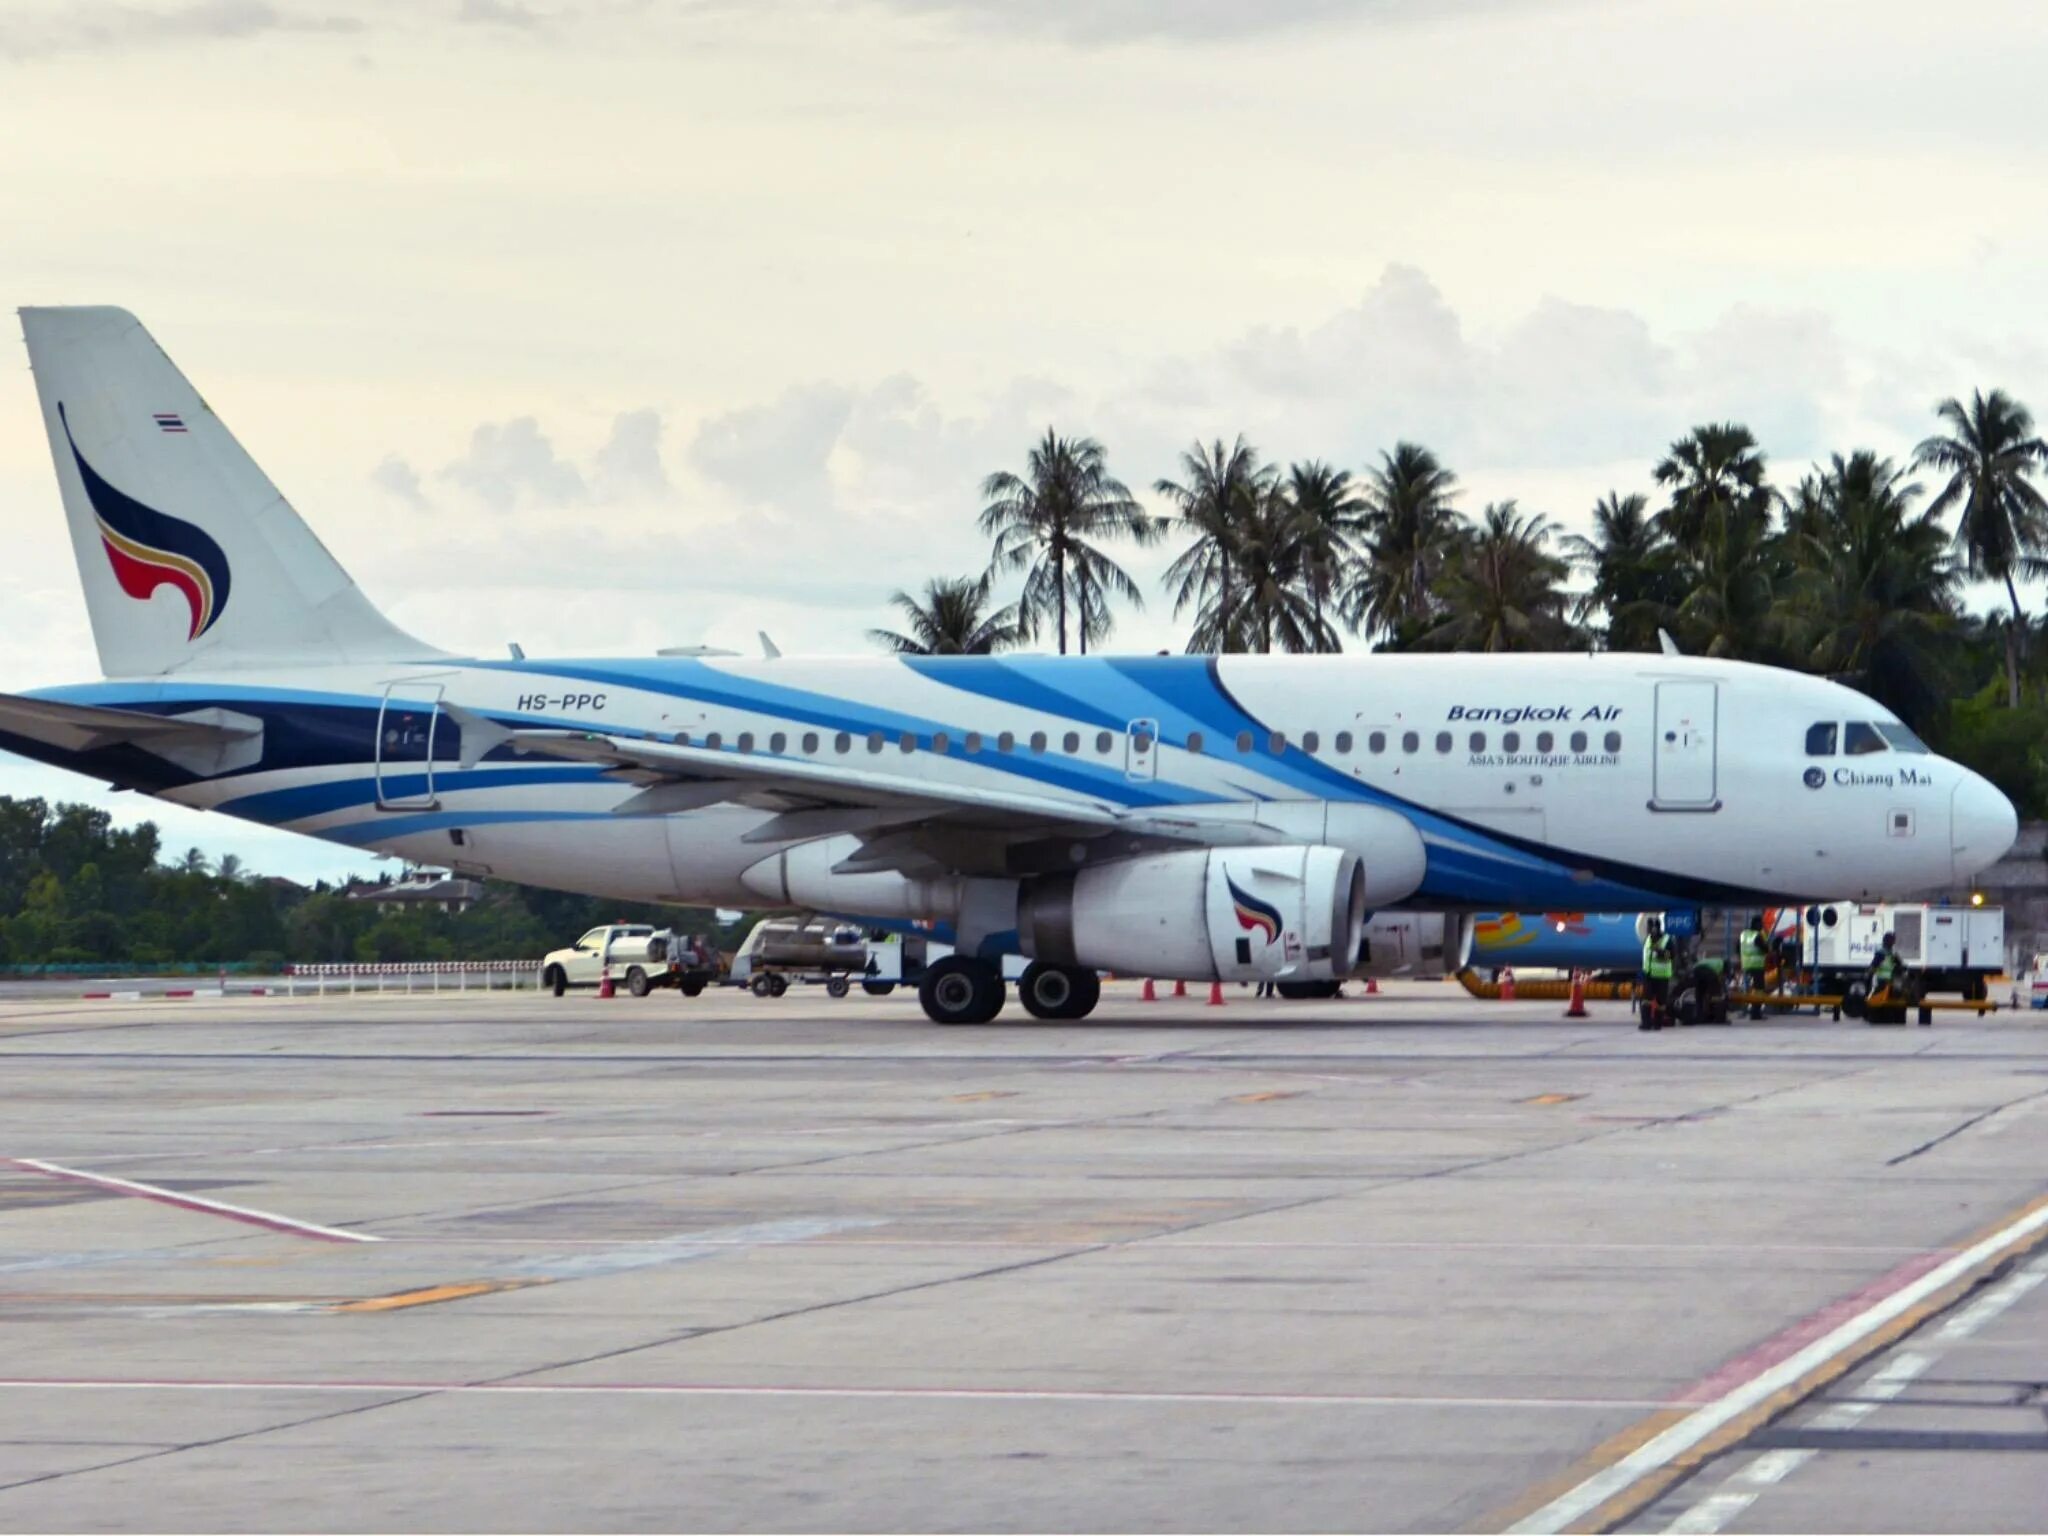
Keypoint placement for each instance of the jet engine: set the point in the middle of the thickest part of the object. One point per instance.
(1291, 911)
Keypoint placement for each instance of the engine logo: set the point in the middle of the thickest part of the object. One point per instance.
(1252, 913)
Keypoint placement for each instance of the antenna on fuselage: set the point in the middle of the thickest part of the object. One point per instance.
(1666, 644)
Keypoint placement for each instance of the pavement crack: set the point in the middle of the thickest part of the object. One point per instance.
(1956, 1130)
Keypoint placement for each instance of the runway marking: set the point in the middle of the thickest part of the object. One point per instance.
(1554, 1098)
(243, 1213)
(1631, 1478)
(1265, 1098)
(427, 1296)
(720, 1389)
(977, 1098)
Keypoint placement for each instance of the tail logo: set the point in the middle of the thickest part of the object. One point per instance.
(149, 549)
(1253, 914)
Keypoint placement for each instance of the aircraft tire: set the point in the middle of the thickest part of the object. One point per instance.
(636, 982)
(1058, 991)
(555, 981)
(957, 990)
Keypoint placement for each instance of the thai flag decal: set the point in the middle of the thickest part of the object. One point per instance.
(1253, 914)
(149, 549)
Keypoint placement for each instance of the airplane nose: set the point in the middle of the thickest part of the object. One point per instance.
(1982, 825)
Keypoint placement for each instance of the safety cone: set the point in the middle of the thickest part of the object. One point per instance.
(1372, 987)
(604, 983)
(1215, 994)
(1577, 1009)
(1150, 994)
(1507, 984)
(1180, 989)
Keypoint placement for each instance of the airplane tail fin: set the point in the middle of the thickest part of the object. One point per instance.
(189, 555)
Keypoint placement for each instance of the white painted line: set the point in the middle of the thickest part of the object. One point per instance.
(710, 1389)
(200, 1203)
(1710, 1514)
(1991, 1303)
(1660, 1451)
(1899, 1372)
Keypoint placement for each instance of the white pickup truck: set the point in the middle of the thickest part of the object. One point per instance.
(640, 961)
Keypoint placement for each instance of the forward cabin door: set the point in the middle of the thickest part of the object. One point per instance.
(1684, 775)
(409, 729)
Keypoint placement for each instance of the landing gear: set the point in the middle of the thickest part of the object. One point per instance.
(1059, 991)
(960, 990)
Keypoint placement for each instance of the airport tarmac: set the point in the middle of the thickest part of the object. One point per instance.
(1407, 1262)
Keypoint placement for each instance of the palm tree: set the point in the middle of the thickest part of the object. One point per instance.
(195, 863)
(1630, 563)
(1410, 526)
(953, 620)
(1330, 515)
(1219, 491)
(1989, 454)
(1874, 585)
(1713, 471)
(1272, 594)
(1047, 522)
(231, 867)
(1501, 589)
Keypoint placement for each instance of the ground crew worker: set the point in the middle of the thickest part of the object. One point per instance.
(1753, 950)
(1656, 976)
(1884, 965)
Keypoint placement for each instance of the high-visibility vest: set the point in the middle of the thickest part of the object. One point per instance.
(1657, 958)
(1752, 942)
(1887, 964)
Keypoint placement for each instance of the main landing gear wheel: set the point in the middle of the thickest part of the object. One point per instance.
(1059, 991)
(958, 990)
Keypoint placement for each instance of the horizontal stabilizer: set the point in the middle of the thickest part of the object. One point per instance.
(202, 741)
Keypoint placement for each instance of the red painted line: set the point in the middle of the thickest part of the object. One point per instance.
(179, 992)
(200, 1203)
(1784, 1345)
(95, 995)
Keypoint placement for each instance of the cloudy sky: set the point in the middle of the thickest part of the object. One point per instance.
(602, 325)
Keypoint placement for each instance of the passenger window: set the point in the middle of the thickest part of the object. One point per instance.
(1478, 741)
(1859, 739)
(1005, 741)
(907, 741)
(1038, 741)
(973, 743)
(778, 743)
(1103, 742)
(874, 741)
(1820, 739)
(1443, 741)
(1277, 743)
(1376, 743)
(940, 742)
(1545, 741)
(746, 741)
(1511, 742)
(1613, 741)
(842, 742)
(1578, 741)
(1310, 741)
(1195, 742)
(682, 738)
(1410, 742)
(1344, 742)
(1244, 741)
(810, 742)
(1071, 742)
(714, 741)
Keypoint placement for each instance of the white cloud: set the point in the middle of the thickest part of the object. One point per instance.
(1126, 21)
(777, 454)
(32, 30)
(512, 464)
(397, 478)
(628, 467)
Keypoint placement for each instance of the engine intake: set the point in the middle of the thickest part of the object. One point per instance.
(1291, 912)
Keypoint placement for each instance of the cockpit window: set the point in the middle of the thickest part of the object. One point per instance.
(1820, 739)
(1901, 739)
(1859, 739)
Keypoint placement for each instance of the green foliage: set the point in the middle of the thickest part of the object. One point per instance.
(76, 890)
(2008, 745)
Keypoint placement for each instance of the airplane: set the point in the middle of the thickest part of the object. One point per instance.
(1198, 817)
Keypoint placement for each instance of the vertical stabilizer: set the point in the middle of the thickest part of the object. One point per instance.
(189, 555)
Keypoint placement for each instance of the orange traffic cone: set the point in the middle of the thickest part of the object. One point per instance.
(1180, 989)
(604, 983)
(1577, 1009)
(1507, 984)
(1215, 994)
(1150, 994)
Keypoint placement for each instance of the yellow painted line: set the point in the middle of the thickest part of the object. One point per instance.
(977, 1098)
(1265, 1098)
(428, 1296)
(1630, 1471)
(1554, 1098)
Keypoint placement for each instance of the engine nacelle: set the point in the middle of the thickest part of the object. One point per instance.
(1291, 912)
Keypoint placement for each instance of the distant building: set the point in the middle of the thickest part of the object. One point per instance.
(428, 888)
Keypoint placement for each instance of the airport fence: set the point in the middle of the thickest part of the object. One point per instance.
(421, 976)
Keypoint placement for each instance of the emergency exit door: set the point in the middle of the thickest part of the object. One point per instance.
(1141, 751)
(1684, 772)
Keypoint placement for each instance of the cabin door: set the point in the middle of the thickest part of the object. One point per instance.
(1684, 775)
(409, 728)
(1141, 751)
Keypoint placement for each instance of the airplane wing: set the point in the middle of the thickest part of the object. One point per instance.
(205, 741)
(904, 822)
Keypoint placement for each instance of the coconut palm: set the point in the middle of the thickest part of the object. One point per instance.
(195, 862)
(1272, 593)
(1330, 516)
(1989, 456)
(1049, 523)
(1501, 589)
(1409, 526)
(1714, 471)
(1219, 491)
(1630, 563)
(954, 619)
(1873, 590)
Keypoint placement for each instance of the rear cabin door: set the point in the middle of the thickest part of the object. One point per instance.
(1684, 775)
(410, 734)
(1141, 751)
